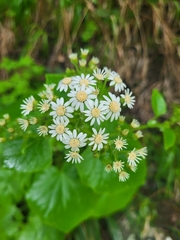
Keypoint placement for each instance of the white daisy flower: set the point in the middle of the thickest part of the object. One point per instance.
(82, 62)
(108, 71)
(73, 56)
(96, 91)
(43, 105)
(84, 52)
(94, 60)
(74, 140)
(129, 100)
(47, 94)
(122, 118)
(125, 132)
(123, 176)
(118, 166)
(27, 106)
(142, 152)
(23, 123)
(64, 84)
(133, 158)
(98, 139)
(6, 116)
(33, 120)
(83, 79)
(100, 74)
(42, 130)
(80, 96)
(10, 130)
(120, 143)
(50, 86)
(58, 129)
(2, 139)
(74, 157)
(116, 81)
(108, 168)
(61, 109)
(139, 134)
(133, 168)
(112, 107)
(94, 112)
(135, 123)
(2, 122)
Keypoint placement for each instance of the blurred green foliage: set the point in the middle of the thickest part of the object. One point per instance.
(21, 79)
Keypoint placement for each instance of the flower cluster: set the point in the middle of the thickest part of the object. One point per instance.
(80, 110)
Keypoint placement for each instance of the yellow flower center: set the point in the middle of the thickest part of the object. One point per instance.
(98, 139)
(117, 165)
(45, 107)
(114, 107)
(132, 156)
(66, 81)
(29, 106)
(119, 143)
(60, 129)
(127, 99)
(81, 96)
(74, 143)
(43, 129)
(95, 112)
(33, 120)
(117, 79)
(61, 110)
(99, 76)
(74, 155)
(84, 81)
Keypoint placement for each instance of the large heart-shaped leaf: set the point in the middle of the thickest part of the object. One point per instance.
(92, 172)
(60, 200)
(35, 229)
(27, 156)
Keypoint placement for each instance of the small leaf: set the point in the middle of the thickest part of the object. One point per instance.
(30, 156)
(54, 78)
(169, 138)
(158, 103)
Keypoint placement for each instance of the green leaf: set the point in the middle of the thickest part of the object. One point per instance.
(169, 138)
(92, 173)
(12, 184)
(114, 229)
(158, 103)
(89, 31)
(61, 200)
(10, 221)
(54, 78)
(35, 229)
(89, 230)
(31, 155)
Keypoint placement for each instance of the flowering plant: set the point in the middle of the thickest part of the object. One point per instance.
(78, 118)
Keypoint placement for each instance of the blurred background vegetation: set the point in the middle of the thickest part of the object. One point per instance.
(140, 39)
